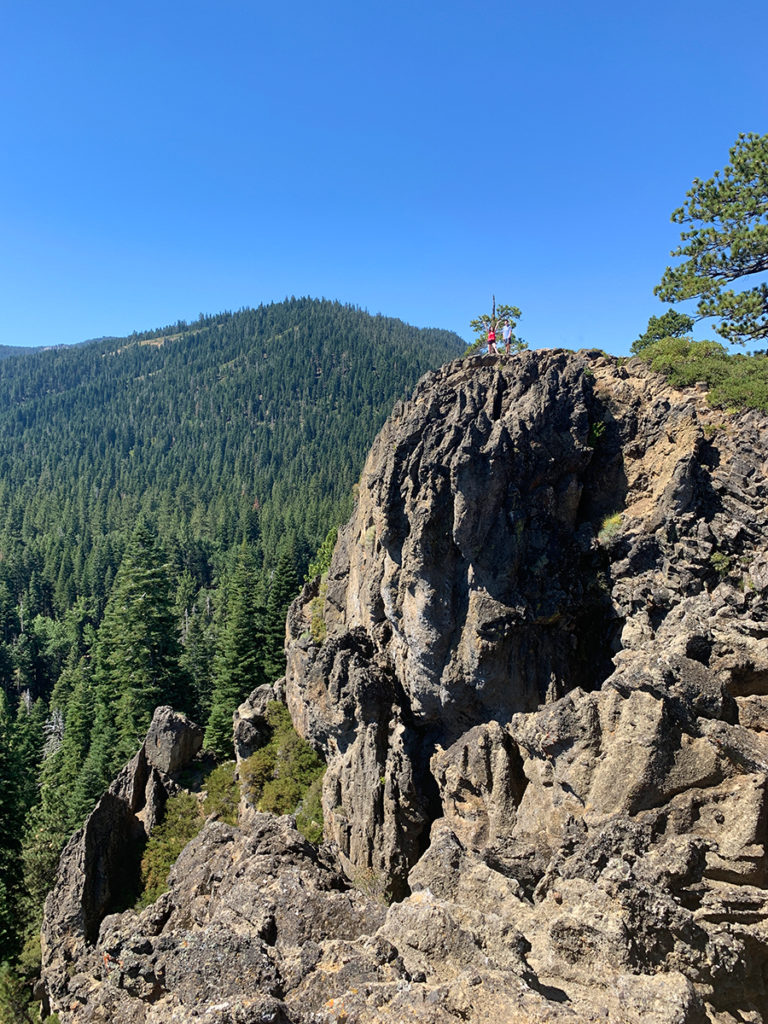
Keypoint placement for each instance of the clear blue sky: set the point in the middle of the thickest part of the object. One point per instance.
(164, 159)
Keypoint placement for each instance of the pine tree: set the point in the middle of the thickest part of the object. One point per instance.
(725, 240)
(198, 639)
(29, 739)
(9, 830)
(238, 666)
(284, 587)
(137, 650)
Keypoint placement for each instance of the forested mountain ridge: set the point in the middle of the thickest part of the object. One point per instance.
(201, 425)
(6, 351)
(161, 496)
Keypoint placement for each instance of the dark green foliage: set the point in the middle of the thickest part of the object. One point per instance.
(670, 325)
(735, 381)
(309, 817)
(283, 587)
(10, 829)
(322, 560)
(61, 807)
(15, 998)
(182, 822)
(239, 664)
(6, 351)
(285, 775)
(138, 651)
(727, 240)
(222, 793)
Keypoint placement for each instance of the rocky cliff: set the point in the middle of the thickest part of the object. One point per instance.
(538, 671)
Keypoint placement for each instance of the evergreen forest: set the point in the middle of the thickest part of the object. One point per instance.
(162, 496)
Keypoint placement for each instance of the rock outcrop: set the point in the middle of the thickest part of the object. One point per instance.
(99, 868)
(538, 671)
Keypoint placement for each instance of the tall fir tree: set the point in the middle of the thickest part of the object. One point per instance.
(137, 654)
(9, 830)
(238, 665)
(283, 588)
(63, 801)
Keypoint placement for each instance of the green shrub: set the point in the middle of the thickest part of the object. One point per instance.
(222, 793)
(256, 771)
(281, 795)
(279, 718)
(721, 563)
(284, 776)
(610, 527)
(735, 381)
(596, 431)
(309, 817)
(182, 822)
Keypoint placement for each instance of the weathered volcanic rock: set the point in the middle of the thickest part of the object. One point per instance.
(100, 864)
(581, 703)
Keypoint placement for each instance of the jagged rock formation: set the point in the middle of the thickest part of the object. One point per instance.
(546, 733)
(99, 867)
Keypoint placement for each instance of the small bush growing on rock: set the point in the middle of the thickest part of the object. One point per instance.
(222, 793)
(280, 776)
(309, 817)
(610, 527)
(373, 884)
(721, 563)
(256, 771)
(182, 822)
(735, 381)
(596, 431)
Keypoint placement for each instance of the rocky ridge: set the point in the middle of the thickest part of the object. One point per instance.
(538, 671)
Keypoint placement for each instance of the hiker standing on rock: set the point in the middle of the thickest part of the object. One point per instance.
(506, 333)
(492, 340)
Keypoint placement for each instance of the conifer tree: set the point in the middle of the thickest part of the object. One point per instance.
(198, 643)
(137, 652)
(238, 666)
(28, 739)
(283, 589)
(9, 830)
(726, 239)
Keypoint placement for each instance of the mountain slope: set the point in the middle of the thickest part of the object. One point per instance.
(6, 351)
(264, 411)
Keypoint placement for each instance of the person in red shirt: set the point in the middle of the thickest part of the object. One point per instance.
(492, 339)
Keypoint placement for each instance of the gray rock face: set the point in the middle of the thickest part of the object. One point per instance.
(100, 864)
(579, 702)
(172, 741)
(251, 729)
(546, 729)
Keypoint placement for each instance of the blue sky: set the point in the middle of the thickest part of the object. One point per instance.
(162, 159)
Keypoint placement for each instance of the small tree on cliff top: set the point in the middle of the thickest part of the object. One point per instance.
(497, 316)
(728, 240)
(670, 325)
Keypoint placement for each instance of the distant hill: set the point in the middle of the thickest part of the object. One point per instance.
(16, 350)
(255, 422)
